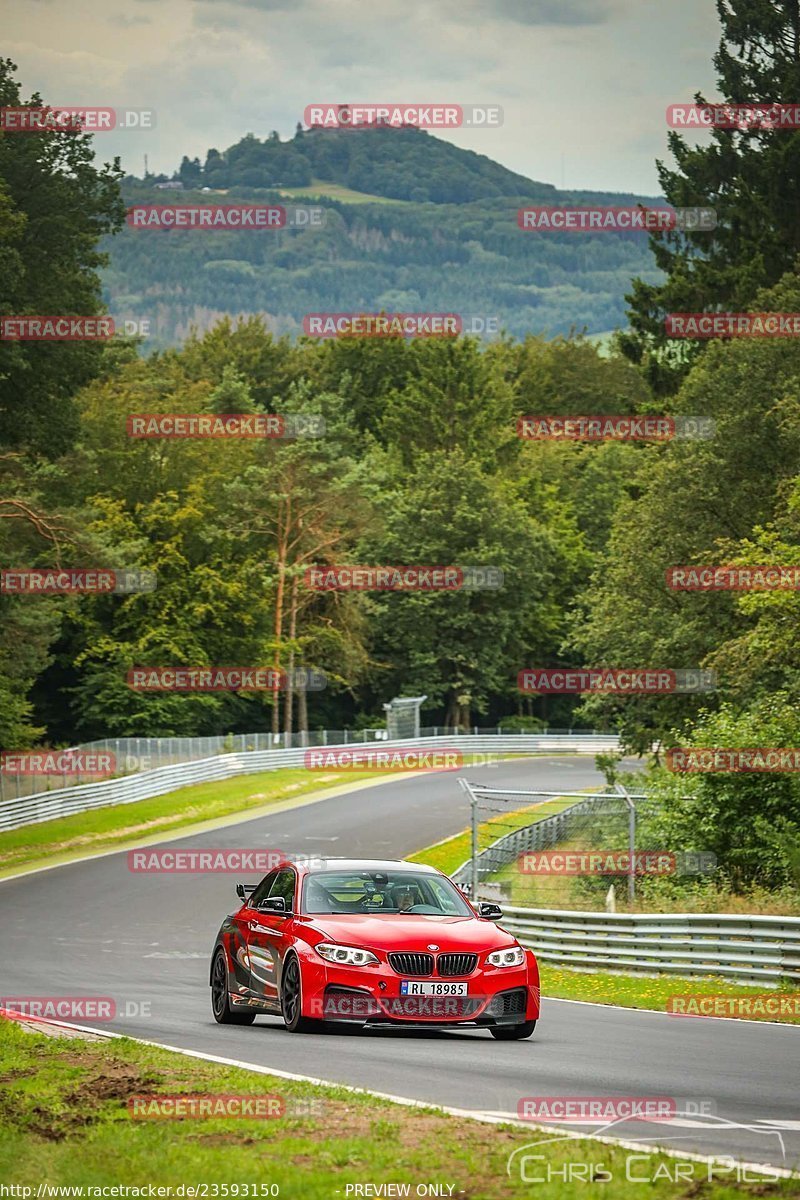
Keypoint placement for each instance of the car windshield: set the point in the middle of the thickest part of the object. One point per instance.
(389, 892)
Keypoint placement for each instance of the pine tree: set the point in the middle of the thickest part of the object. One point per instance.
(750, 176)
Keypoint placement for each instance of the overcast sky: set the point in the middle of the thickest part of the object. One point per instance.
(583, 83)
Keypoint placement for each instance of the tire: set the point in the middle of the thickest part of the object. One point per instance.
(291, 999)
(220, 1004)
(512, 1033)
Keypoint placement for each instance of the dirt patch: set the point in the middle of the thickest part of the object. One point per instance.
(81, 1106)
(57, 1031)
(12, 1075)
(115, 1082)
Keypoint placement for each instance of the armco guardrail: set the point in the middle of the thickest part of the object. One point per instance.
(749, 949)
(131, 755)
(30, 810)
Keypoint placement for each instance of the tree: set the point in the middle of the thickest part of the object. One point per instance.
(461, 648)
(300, 502)
(699, 502)
(749, 820)
(190, 172)
(749, 176)
(55, 205)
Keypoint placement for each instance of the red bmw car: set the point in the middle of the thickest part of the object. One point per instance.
(375, 942)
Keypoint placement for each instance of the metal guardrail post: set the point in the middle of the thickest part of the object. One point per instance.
(473, 801)
(620, 790)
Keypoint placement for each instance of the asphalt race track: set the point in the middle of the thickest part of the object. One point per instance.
(95, 929)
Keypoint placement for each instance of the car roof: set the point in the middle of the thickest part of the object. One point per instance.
(368, 864)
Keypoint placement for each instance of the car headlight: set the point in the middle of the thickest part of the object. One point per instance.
(349, 956)
(513, 956)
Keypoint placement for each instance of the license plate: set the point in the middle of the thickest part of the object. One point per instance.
(413, 987)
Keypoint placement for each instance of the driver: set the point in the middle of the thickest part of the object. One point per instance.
(404, 898)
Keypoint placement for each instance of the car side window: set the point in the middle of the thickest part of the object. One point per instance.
(283, 885)
(443, 897)
(262, 891)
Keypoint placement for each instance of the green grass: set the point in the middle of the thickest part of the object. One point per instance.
(110, 828)
(106, 828)
(65, 1120)
(450, 854)
(643, 991)
(653, 893)
(318, 189)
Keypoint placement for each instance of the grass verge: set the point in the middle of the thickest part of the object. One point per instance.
(644, 991)
(106, 828)
(318, 189)
(451, 853)
(101, 829)
(66, 1119)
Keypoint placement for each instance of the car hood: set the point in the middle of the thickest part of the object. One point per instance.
(397, 932)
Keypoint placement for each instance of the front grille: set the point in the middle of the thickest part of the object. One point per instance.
(429, 1008)
(456, 964)
(411, 964)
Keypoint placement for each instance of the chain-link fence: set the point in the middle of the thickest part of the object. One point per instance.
(116, 757)
(566, 850)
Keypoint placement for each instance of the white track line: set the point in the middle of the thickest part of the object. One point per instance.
(198, 828)
(241, 818)
(487, 1118)
(660, 1012)
(316, 798)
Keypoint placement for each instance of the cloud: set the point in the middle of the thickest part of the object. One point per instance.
(583, 91)
(261, 5)
(550, 12)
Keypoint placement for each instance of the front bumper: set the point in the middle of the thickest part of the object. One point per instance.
(371, 995)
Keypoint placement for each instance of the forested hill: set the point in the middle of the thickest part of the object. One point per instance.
(398, 164)
(412, 223)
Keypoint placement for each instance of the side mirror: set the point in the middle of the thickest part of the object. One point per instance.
(273, 904)
(243, 890)
(492, 912)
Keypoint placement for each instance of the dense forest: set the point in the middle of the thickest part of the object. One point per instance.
(419, 462)
(412, 223)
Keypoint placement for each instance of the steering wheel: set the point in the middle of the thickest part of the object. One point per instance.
(425, 908)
